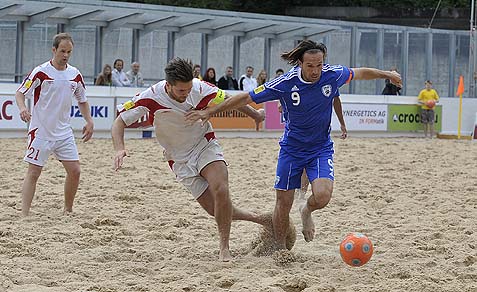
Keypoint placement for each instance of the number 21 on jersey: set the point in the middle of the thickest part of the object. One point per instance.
(33, 153)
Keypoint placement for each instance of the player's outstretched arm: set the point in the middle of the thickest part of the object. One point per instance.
(117, 133)
(257, 115)
(373, 73)
(24, 112)
(235, 102)
(86, 113)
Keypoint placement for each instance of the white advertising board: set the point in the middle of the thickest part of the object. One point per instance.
(9, 114)
(102, 112)
(362, 117)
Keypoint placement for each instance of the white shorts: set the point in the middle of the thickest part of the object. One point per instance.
(188, 173)
(39, 150)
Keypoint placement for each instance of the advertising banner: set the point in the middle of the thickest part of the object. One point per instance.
(407, 117)
(9, 114)
(273, 118)
(234, 119)
(102, 112)
(362, 117)
(358, 117)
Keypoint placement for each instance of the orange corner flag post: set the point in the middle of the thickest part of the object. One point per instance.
(460, 91)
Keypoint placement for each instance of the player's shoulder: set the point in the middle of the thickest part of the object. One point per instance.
(73, 69)
(158, 88)
(196, 83)
(42, 67)
(41, 71)
(283, 81)
(202, 87)
(333, 69)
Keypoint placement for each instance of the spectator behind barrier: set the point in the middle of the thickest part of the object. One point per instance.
(120, 78)
(247, 81)
(228, 82)
(134, 76)
(105, 78)
(209, 76)
(261, 77)
(389, 88)
(196, 72)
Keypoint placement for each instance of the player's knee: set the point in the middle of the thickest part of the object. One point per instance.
(326, 198)
(74, 172)
(322, 198)
(221, 192)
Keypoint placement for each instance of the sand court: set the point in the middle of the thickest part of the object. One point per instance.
(140, 230)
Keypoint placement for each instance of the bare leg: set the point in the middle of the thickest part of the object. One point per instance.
(304, 186)
(425, 130)
(217, 177)
(320, 197)
(29, 187)
(431, 130)
(71, 183)
(284, 202)
(206, 200)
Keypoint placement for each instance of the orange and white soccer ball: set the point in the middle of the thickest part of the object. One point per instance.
(431, 103)
(356, 249)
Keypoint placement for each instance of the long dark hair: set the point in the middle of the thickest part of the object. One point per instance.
(207, 78)
(295, 55)
(116, 61)
(108, 77)
(179, 70)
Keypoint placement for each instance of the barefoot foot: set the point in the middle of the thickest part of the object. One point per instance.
(67, 212)
(307, 222)
(225, 256)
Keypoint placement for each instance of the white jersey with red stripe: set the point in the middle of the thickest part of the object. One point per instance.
(179, 138)
(53, 92)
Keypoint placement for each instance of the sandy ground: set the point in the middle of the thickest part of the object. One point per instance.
(139, 230)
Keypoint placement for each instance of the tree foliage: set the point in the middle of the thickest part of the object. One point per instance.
(385, 3)
(207, 4)
(280, 6)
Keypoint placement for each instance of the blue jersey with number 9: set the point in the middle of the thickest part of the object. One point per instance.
(307, 107)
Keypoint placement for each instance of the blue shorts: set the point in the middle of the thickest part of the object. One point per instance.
(317, 163)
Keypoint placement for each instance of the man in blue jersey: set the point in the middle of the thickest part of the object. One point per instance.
(306, 93)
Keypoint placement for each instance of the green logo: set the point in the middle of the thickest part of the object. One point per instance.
(408, 118)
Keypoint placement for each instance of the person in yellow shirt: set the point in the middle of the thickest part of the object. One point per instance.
(428, 98)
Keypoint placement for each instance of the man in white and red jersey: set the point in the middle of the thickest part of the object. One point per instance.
(53, 86)
(192, 150)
